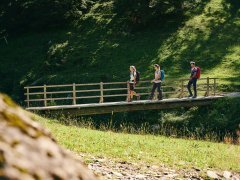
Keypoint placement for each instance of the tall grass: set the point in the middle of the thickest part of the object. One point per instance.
(146, 128)
(219, 122)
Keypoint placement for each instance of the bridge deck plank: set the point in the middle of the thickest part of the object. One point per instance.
(101, 108)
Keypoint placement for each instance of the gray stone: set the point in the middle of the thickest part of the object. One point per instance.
(117, 174)
(140, 176)
(227, 174)
(27, 150)
(212, 174)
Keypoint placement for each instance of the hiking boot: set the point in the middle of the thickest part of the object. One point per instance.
(129, 100)
(150, 98)
(194, 97)
(138, 97)
(190, 96)
(160, 98)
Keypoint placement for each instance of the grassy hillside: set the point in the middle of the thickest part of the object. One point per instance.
(99, 48)
(151, 149)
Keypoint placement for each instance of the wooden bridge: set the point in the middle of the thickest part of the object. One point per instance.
(102, 98)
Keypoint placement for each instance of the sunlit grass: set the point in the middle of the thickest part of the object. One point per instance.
(178, 153)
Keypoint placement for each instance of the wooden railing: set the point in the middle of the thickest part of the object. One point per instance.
(73, 94)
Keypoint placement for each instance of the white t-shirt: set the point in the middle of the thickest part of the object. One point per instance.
(157, 74)
(132, 76)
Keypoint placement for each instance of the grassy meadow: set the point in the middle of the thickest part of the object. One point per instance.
(178, 153)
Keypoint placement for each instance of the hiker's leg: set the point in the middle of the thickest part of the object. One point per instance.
(189, 87)
(153, 90)
(134, 93)
(159, 91)
(131, 88)
(195, 87)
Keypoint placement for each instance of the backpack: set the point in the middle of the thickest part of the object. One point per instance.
(162, 75)
(137, 76)
(198, 75)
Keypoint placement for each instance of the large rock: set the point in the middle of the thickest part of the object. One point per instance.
(28, 151)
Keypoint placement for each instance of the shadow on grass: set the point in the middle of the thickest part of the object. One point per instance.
(205, 38)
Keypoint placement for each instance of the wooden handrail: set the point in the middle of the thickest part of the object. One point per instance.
(91, 90)
(89, 84)
(106, 83)
(49, 99)
(98, 90)
(76, 94)
(187, 79)
(88, 97)
(53, 92)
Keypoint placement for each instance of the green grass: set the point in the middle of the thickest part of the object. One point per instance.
(178, 153)
(98, 49)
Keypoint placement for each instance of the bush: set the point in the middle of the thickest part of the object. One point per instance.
(143, 12)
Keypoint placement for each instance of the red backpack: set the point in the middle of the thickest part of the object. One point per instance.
(198, 75)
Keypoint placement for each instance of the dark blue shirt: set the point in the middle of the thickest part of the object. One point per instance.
(193, 71)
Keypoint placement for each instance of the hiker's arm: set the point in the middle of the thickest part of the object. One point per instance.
(135, 78)
(158, 77)
(194, 75)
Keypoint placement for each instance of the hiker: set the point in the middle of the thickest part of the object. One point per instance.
(134, 78)
(195, 74)
(157, 81)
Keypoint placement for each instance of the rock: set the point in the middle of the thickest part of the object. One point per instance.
(212, 174)
(101, 160)
(117, 174)
(155, 167)
(140, 176)
(236, 177)
(28, 151)
(227, 174)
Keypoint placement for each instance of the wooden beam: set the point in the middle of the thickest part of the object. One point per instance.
(106, 108)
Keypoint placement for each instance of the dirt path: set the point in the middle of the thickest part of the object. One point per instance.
(110, 169)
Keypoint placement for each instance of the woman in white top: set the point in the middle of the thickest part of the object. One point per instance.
(132, 83)
(156, 83)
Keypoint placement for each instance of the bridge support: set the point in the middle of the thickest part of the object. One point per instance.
(106, 108)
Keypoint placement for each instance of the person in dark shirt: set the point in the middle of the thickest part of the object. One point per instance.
(192, 81)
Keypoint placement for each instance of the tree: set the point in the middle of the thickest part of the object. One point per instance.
(25, 15)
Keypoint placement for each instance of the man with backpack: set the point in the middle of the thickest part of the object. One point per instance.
(157, 81)
(195, 75)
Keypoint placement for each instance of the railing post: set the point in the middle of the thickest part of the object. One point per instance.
(28, 103)
(207, 93)
(101, 93)
(74, 94)
(182, 89)
(128, 91)
(45, 94)
(214, 87)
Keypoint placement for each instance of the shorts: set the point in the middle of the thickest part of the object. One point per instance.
(132, 86)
